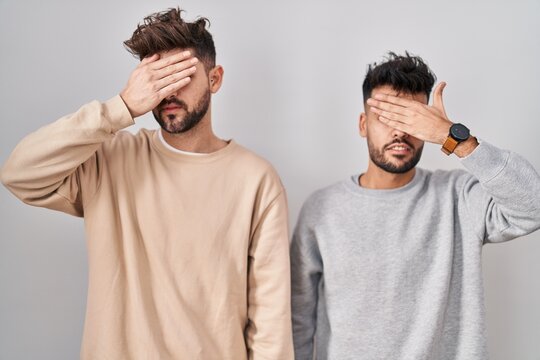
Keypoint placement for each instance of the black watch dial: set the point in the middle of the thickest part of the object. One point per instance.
(459, 132)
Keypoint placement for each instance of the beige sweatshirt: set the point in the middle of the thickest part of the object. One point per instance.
(188, 255)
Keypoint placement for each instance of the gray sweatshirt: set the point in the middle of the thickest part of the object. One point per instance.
(396, 274)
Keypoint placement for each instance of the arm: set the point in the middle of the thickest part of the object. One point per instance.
(503, 196)
(306, 271)
(268, 332)
(48, 167)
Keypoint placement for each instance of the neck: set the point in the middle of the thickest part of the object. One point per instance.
(200, 139)
(379, 179)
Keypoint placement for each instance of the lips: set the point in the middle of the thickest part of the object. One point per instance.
(400, 148)
(171, 107)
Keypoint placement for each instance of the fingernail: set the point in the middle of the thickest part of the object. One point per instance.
(186, 53)
(194, 60)
(370, 101)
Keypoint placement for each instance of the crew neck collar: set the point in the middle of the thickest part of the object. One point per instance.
(352, 185)
(169, 151)
(173, 149)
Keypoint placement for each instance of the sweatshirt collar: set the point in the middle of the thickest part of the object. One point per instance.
(352, 185)
(172, 153)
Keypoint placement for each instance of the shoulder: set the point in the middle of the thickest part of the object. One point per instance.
(447, 178)
(248, 163)
(125, 148)
(250, 158)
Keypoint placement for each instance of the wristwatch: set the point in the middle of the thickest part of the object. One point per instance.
(458, 133)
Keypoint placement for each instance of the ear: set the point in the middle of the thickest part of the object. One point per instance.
(215, 78)
(362, 124)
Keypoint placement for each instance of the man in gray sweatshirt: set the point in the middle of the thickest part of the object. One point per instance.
(387, 264)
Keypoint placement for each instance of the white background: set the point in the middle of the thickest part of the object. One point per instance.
(292, 93)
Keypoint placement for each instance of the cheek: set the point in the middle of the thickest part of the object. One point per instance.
(189, 94)
(196, 87)
(375, 128)
(381, 127)
(376, 138)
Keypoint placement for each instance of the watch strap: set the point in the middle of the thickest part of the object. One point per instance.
(449, 145)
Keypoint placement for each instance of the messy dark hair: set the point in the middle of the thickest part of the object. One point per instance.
(166, 30)
(404, 73)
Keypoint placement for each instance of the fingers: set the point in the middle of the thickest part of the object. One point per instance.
(394, 116)
(171, 59)
(398, 109)
(175, 77)
(404, 102)
(438, 97)
(404, 106)
(400, 105)
(175, 68)
(173, 87)
(404, 114)
(396, 124)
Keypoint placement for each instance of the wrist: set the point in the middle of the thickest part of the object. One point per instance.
(443, 134)
(132, 111)
(466, 147)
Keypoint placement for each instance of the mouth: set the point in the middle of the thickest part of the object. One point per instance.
(399, 149)
(171, 108)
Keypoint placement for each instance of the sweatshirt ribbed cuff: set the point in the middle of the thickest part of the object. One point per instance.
(117, 113)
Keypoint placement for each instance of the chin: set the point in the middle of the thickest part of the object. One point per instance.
(399, 160)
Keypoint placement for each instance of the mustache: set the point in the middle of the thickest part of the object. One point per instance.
(400, 141)
(175, 101)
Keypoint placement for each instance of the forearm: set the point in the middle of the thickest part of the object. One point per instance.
(43, 160)
(512, 184)
(305, 277)
(304, 305)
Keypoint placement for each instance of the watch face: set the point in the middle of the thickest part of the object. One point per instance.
(459, 132)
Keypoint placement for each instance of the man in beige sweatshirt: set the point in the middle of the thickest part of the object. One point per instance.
(186, 233)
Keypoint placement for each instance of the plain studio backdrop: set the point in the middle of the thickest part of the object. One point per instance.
(291, 93)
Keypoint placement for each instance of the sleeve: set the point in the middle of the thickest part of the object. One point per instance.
(306, 272)
(268, 332)
(47, 167)
(502, 196)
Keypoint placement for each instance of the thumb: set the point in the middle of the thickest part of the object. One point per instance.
(438, 97)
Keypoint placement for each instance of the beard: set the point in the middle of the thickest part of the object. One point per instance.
(173, 123)
(379, 157)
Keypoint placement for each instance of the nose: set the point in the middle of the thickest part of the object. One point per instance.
(172, 96)
(399, 134)
(175, 94)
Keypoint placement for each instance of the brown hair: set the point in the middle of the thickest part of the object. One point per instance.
(166, 30)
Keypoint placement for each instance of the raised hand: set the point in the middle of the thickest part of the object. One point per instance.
(427, 123)
(156, 78)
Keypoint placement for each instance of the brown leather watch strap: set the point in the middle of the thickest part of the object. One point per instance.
(449, 145)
